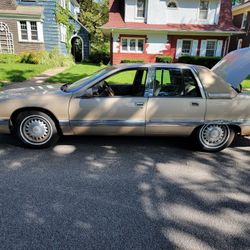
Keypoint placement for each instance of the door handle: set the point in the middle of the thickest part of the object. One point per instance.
(196, 104)
(139, 104)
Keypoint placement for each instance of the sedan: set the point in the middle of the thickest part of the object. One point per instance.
(136, 100)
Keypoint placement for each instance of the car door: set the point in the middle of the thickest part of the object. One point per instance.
(121, 114)
(177, 104)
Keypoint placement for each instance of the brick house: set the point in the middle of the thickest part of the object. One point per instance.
(241, 19)
(143, 29)
(31, 25)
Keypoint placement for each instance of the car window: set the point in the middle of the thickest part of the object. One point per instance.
(124, 83)
(124, 77)
(175, 83)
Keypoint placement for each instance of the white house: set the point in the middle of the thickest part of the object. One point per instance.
(144, 29)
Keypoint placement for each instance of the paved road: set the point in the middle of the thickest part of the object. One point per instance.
(124, 193)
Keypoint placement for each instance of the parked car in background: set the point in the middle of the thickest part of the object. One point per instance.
(136, 99)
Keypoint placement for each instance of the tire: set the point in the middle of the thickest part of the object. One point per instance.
(214, 137)
(35, 129)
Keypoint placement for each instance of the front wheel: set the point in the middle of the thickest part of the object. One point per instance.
(36, 129)
(214, 137)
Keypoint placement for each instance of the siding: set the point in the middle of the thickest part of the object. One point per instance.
(50, 26)
(20, 46)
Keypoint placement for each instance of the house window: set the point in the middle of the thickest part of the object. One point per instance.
(34, 32)
(30, 31)
(63, 33)
(244, 21)
(203, 9)
(24, 30)
(211, 48)
(239, 45)
(62, 3)
(172, 5)
(134, 45)
(141, 8)
(186, 47)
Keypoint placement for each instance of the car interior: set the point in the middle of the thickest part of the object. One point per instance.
(175, 83)
(124, 83)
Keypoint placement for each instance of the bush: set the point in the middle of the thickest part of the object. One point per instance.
(53, 58)
(131, 61)
(99, 57)
(9, 58)
(208, 62)
(164, 59)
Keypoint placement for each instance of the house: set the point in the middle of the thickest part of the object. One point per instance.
(33, 25)
(144, 29)
(241, 19)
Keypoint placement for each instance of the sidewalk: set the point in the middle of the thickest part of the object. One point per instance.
(37, 80)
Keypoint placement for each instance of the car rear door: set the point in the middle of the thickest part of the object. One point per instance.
(177, 104)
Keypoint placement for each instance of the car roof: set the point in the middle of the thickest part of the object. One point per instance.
(154, 65)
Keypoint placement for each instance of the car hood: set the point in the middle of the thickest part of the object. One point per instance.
(31, 91)
(234, 67)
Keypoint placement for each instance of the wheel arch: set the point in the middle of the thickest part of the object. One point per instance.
(15, 114)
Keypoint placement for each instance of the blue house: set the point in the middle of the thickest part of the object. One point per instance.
(34, 25)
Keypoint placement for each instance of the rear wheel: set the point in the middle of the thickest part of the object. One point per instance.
(214, 137)
(36, 129)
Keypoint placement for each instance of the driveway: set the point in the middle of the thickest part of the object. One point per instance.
(124, 193)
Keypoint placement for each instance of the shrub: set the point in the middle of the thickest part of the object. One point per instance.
(53, 58)
(208, 62)
(9, 58)
(99, 57)
(164, 59)
(131, 61)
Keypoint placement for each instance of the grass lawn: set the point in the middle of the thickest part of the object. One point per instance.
(75, 73)
(19, 72)
(246, 83)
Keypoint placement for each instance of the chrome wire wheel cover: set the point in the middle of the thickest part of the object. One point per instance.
(36, 130)
(214, 135)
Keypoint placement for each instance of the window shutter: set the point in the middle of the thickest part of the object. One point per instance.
(40, 31)
(203, 48)
(194, 48)
(219, 48)
(178, 48)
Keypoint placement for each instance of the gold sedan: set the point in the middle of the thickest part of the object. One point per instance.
(139, 100)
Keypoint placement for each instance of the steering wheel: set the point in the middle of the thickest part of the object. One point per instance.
(108, 89)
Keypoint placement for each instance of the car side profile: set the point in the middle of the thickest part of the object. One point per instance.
(136, 100)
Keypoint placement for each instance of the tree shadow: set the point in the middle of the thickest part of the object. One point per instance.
(124, 193)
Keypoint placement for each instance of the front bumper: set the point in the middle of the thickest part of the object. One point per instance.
(4, 126)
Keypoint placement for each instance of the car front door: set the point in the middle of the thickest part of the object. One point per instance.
(177, 103)
(120, 113)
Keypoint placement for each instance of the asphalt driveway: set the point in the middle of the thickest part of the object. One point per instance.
(124, 193)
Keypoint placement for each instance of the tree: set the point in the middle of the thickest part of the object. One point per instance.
(93, 14)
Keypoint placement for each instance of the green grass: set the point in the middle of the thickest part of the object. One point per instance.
(18, 72)
(75, 73)
(246, 83)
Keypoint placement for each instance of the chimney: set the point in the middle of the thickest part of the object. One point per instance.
(226, 17)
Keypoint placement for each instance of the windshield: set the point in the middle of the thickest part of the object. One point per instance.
(79, 84)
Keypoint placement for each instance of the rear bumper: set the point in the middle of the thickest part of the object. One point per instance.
(4, 126)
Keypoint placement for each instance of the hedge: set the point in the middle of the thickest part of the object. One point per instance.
(164, 59)
(208, 62)
(131, 61)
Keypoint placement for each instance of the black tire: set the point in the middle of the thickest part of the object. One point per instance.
(222, 138)
(35, 129)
